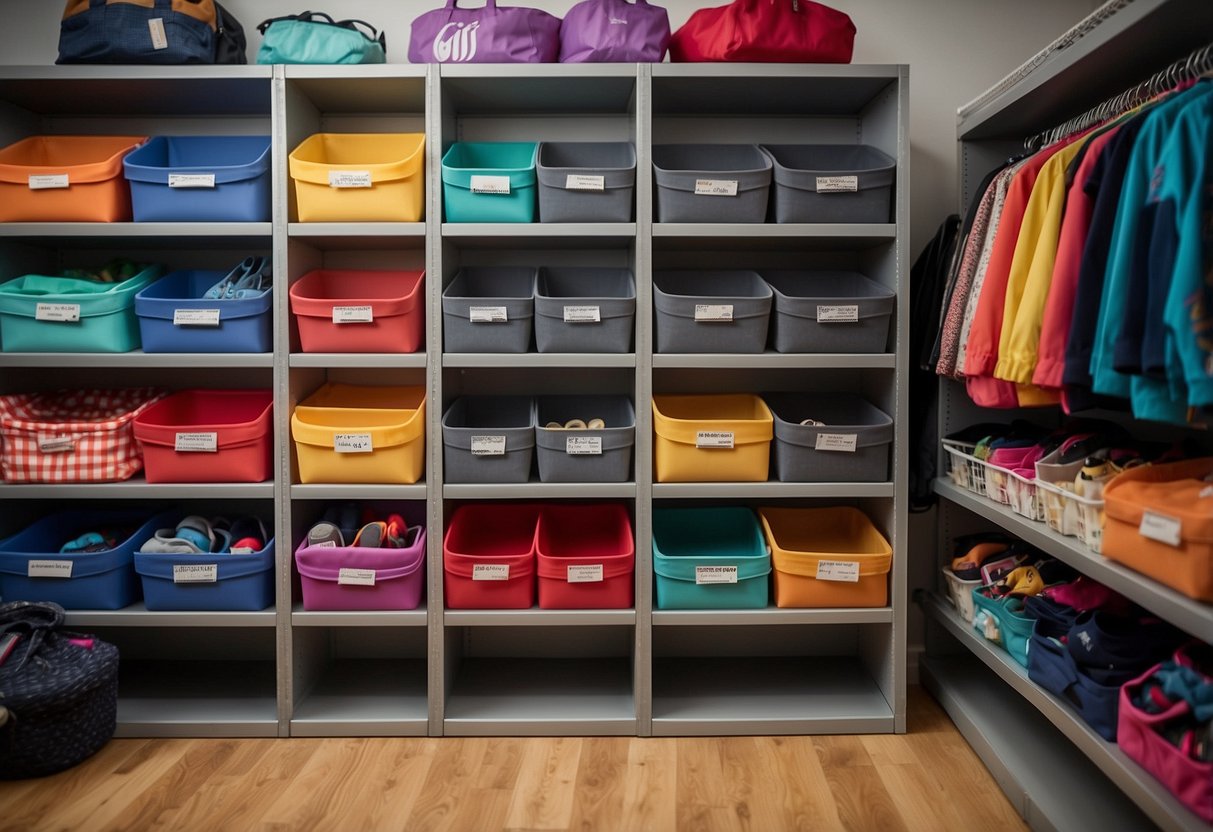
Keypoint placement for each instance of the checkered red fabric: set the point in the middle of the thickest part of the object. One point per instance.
(72, 435)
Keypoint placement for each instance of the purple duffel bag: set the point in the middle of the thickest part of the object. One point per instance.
(490, 35)
(600, 31)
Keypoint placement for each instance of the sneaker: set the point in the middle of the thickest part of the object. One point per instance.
(372, 536)
(325, 535)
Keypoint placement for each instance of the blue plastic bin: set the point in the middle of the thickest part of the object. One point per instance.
(244, 325)
(709, 559)
(507, 195)
(96, 581)
(105, 314)
(200, 179)
(243, 583)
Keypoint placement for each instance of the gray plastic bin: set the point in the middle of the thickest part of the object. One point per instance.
(473, 303)
(851, 445)
(691, 310)
(734, 182)
(831, 182)
(567, 300)
(829, 311)
(586, 181)
(488, 439)
(575, 455)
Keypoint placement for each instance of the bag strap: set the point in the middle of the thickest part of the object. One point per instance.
(488, 4)
(39, 618)
(311, 17)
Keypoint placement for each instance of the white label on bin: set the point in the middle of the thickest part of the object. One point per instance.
(583, 445)
(715, 187)
(715, 575)
(714, 439)
(837, 314)
(195, 317)
(243, 550)
(488, 446)
(159, 38)
(353, 315)
(838, 570)
(355, 577)
(350, 179)
(580, 182)
(487, 315)
(352, 443)
(61, 312)
(191, 180)
(837, 184)
(490, 572)
(45, 181)
(590, 573)
(846, 442)
(713, 312)
(1160, 527)
(324, 544)
(49, 569)
(203, 442)
(195, 573)
(56, 444)
(582, 314)
(491, 185)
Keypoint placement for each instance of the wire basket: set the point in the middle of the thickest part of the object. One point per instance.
(1069, 514)
(998, 484)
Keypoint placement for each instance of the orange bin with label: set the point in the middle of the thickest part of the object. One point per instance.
(66, 179)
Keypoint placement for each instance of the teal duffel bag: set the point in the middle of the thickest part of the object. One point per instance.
(315, 38)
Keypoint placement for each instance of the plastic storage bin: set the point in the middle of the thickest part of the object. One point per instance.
(831, 182)
(33, 569)
(208, 436)
(488, 557)
(233, 325)
(960, 593)
(585, 309)
(360, 177)
(829, 312)
(200, 179)
(585, 557)
(206, 583)
(66, 179)
(488, 439)
(66, 314)
(586, 181)
(709, 558)
(711, 438)
(851, 443)
(489, 309)
(711, 311)
(725, 183)
(489, 181)
(827, 557)
(576, 455)
(350, 433)
(347, 310)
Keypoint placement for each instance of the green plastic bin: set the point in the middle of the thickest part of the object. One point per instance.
(489, 181)
(709, 559)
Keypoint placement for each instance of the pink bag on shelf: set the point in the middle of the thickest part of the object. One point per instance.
(490, 35)
(603, 31)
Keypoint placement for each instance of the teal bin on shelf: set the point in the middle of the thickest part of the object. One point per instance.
(489, 182)
(709, 559)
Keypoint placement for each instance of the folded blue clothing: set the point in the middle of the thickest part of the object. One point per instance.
(1113, 649)
(1053, 619)
(1052, 667)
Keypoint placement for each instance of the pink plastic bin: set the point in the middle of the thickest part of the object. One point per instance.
(346, 310)
(336, 578)
(586, 557)
(488, 557)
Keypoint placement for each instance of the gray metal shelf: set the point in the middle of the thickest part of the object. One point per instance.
(776, 360)
(770, 490)
(357, 359)
(360, 233)
(358, 491)
(130, 232)
(539, 490)
(138, 358)
(771, 616)
(536, 617)
(365, 698)
(197, 698)
(767, 89)
(138, 489)
(850, 234)
(529, 235)
(359, 618)
(138, 615)
(538, 359)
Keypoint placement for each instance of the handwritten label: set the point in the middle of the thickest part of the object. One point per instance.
(57, 312)
(582, 314)
(49, 569)
(488, 446)
(716, 187)
(350, 179)
(353, 315)
(714, 439)
(46, 181)
(490, 572)
(837, 314)
(352, 443)
(324, 544)
(56, 444)
(195, 317)
(196, 442)
(195, 573)
(712, 312)
(837, 184)
(487, 314)
(191, 180)
(583, 445)
(585, 574)
(355, 577)
(715, 575)
(1160, 527)
(491, 185)
(838, 570)
(159, 38)
(845, 442)
(580, 182)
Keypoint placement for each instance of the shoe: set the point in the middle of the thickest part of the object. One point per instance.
(248, 535)
(372, 536)
(325, 535)
(397, 530)
(193, 536)
(251, 277)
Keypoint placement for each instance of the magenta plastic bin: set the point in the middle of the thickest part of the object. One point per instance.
(362, 578)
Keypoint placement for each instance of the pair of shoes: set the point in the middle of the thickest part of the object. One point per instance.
(249, 279)
(392, 533)
(195, 535)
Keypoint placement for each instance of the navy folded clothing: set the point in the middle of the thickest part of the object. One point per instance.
(1052, 667)
(1113, 649)
(1053, 619)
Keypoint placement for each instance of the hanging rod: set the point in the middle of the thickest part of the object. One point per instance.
(1198, 63)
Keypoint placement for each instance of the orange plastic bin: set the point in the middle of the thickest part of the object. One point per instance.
(66, 179)
(348, 310)
(827, 557)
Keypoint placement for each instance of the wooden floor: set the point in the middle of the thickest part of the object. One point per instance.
(928, 779)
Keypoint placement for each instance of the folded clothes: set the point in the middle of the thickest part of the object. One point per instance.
(1113, 649)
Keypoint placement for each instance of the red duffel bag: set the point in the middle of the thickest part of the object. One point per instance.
(766, 31)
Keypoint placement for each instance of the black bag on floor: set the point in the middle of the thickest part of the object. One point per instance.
(58, 692)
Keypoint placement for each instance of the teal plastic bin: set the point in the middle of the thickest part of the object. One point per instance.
(489, 181)
(709, 559)
(67, 314)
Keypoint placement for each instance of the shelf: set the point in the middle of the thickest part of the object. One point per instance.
(539, 490)
(361, 89)
(358, 491)
(772, 235)
(540, 359)
(197, 699)
(365, 698)
(771, 616)
(359, 618)
(776, 360)
(359, 235)
(137, 615)
(137, 489)
(1134, 781)
(138, 358)
(536, 617)
(358, 359)
(540, 89)
(104, 90)
(708, 696)
(175, 235)
(770, 490)
(541, 697)
(511, 235)
(764, 89)
(1191, 616)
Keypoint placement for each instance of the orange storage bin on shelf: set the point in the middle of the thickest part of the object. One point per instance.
(827, 557)
(66, 179)
(1160, 523)
(350, 310)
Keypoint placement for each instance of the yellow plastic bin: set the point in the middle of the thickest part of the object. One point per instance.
(827, 557)
(347, 433)
(714, 438)
(359, 177)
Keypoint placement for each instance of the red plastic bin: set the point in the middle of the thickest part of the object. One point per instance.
(346, 310)
(208, 436)
(488, 557)
(586, 557)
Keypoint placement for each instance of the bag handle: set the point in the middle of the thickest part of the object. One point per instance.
(310, 17)
(40, 618)
(488, 4)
